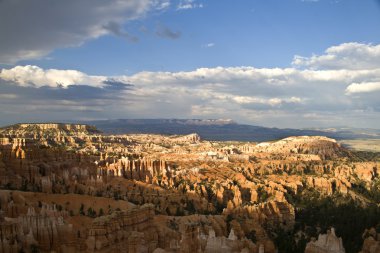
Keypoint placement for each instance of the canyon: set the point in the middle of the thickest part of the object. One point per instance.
(71, 188)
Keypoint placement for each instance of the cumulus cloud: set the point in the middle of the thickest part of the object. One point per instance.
(285, 97)
(30, 33)
(364, 87)
(45, 103)
(352, 56)
(38, 77)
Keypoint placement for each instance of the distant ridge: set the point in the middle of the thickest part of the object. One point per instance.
(48, 129)
(214, 129)
(208, 129)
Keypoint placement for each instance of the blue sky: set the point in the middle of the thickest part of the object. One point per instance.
(220, 58)
(243, 33)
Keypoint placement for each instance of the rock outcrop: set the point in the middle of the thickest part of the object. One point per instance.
(310, 145)
(132, 229)
(371, 242)
(326, 243)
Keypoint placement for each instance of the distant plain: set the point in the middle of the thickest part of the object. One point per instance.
(372, 145)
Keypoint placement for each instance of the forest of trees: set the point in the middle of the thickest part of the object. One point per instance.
(315, 213)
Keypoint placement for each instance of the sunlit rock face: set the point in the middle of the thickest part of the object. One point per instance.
(312, 147)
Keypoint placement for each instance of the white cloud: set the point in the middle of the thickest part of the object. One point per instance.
(364, 87)
(263, 77)
(161, 4)
(242, 100)
(188, 4)
(275, 76)
(208, 111)
(352, 56)
(211, 44)
(271, 96)
(38, 77)
(32, 33)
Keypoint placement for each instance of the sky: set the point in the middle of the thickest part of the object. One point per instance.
(276, 63)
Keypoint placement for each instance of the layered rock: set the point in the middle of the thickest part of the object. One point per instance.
(46, 230)
(366, 171)
(272, 213)
(132, 229)
(144, 169)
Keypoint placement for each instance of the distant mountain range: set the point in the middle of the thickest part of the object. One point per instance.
(222, 130)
